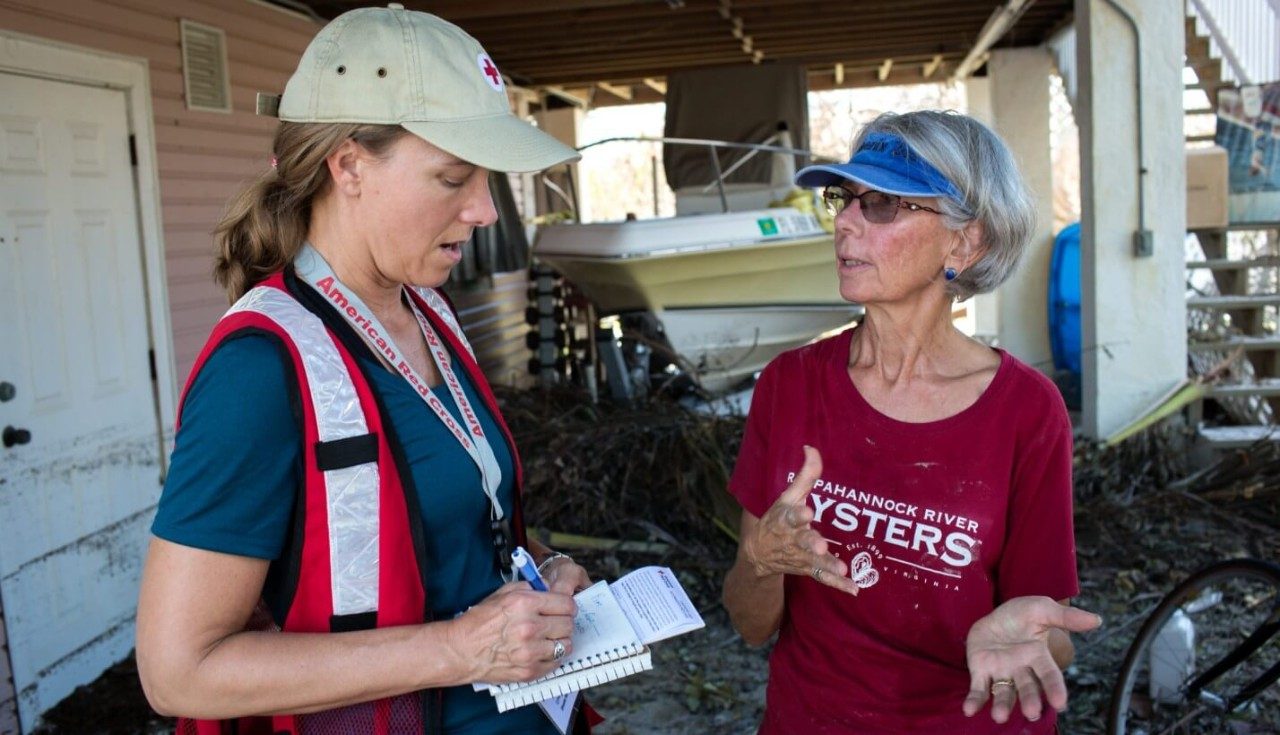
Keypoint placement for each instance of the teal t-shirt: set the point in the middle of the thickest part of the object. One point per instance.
(235, 472)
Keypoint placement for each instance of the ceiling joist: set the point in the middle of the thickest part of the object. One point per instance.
(616, 48)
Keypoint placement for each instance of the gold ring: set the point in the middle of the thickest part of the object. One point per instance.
(1001, 683)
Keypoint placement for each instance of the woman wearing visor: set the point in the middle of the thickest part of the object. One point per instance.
(906, 490)
(332, 547)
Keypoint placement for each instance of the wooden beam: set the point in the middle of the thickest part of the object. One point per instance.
(562, 93)
(918, 41)
(902, 74)
(928, 69)
(628, 18)
(534, 15)
(620, 92)
(470, 9)
(885, 68)
(921, 44)
(560, 42)
(853, 77)
(658, 86)
(820, 23)
(669, 59)
(839, 74)
(643, 96)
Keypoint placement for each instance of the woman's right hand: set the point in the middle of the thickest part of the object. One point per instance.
(511, 635)
(783, 542)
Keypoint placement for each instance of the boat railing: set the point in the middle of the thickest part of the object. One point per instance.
(770, 146)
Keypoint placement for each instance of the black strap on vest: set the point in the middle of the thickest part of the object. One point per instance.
(346, 452)
(353, 622)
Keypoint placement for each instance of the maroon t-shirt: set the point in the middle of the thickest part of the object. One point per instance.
(939, 523)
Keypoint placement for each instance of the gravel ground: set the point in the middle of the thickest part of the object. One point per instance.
(703, 682)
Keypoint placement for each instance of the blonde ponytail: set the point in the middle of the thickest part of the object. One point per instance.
(266, 223)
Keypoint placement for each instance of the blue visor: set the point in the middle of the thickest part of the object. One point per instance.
(884, 162)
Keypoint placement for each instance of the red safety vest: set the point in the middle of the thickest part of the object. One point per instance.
(337, 585)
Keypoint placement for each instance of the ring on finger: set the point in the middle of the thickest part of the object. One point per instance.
(557, 649)
(817, 574)
(998, 683)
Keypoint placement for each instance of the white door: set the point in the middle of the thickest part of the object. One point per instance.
(76, 499)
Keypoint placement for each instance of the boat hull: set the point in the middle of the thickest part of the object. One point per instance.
(726, 307)
(725, 346)
(801, 272)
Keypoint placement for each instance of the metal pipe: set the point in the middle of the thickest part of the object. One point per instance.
(1142, 239)
(653, 171)
(715, 166)
(707, 142)
(742, 161)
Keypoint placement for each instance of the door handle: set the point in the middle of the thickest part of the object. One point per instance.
(13, 436)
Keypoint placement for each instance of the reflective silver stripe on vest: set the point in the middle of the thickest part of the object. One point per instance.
(351, 493)
(441, 308)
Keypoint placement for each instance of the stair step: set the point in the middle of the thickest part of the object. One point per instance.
(1207, 85)
(1264, 387)
(1227, 264)
(1250, 301)
(1237, 437)
(1250, 344)
(1196, 47)
(1198, 62)
(1243, 227)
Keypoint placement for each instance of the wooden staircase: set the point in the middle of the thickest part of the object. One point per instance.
(1239, 322)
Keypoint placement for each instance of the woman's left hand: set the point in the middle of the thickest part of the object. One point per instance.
(1010, 659)
(563, 575)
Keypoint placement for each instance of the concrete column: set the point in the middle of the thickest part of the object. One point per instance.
(1133, 307)
(1020, 114)
(983, 321)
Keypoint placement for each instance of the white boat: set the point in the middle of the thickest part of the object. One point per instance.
(728, 283)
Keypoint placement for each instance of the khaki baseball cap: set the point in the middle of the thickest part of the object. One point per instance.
(404, 67)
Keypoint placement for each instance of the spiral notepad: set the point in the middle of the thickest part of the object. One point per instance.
(611, 632)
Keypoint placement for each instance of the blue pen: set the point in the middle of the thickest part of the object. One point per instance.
(528, 570)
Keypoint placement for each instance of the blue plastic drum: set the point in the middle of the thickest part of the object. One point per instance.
(1064, 304)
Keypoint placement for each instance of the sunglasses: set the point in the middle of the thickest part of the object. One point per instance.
(877, 206)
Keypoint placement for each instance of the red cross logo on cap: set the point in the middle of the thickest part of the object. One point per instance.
(489, 71)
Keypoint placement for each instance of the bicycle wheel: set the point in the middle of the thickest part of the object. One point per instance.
(1193, 628)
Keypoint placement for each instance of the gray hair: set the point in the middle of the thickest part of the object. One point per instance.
(980, 165)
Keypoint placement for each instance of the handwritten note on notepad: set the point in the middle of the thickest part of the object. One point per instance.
(614, 624)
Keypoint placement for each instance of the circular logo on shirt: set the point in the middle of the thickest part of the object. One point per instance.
(489, 72)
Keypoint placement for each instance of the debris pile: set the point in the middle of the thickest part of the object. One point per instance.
(640, 485)
(622, 487)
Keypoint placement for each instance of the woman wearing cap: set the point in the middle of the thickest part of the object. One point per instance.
(906, 490)
(332, 547)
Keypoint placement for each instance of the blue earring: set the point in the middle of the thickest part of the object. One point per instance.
(949, 274)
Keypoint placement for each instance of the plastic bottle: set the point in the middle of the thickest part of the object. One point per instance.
(1172, 658)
